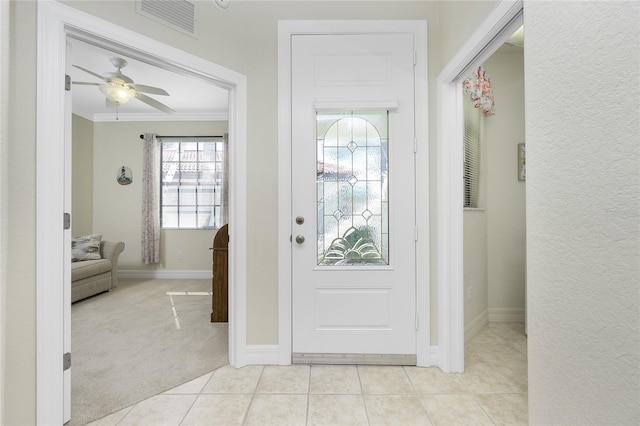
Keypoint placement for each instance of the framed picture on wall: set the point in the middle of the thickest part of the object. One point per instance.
(521, 162)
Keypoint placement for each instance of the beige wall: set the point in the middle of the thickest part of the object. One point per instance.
(474, 222)
(82, 176)
(505, 200)
(242, 38)
(494, 234)
(20, 316)
(582, 93)
(117, 208)
(476, 288)
(458, 20)
(4, 176)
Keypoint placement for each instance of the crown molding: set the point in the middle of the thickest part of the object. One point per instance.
(209, 116)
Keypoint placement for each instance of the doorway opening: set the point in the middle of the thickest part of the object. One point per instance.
(502, 22)
(55, 23)
(151, 331)
(494, 222)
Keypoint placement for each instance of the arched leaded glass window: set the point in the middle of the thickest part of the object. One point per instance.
(352, 188)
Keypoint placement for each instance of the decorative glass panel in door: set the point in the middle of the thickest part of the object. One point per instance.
(352, 187)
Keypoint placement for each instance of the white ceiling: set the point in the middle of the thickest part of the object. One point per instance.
(191, 97)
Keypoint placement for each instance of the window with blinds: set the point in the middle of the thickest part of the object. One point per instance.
(473, 138)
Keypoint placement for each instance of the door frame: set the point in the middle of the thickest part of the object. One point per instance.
(55, 22)
(499, 25)
(286, 29)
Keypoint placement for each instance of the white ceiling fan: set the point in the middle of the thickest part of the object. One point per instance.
(119, 89)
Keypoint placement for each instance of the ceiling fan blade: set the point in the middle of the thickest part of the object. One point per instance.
(149, 89)
(86, 83)
(152, 102)
(90, 72)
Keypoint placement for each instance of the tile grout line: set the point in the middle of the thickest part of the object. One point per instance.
(417, 395)
(123, 417)
(364, 402)
(475, 398)
(197, 397)
(306, 418)
(253, 395)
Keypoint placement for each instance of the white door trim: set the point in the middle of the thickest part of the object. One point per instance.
(285, 30)
(5, 33)
(492, 33)
(55, 21)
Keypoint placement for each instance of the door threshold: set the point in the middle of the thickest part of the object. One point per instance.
(354, 359)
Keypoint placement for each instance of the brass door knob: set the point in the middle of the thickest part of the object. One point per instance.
(299, 239)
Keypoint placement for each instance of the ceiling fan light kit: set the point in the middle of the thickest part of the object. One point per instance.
(120, 89)
(118, 94)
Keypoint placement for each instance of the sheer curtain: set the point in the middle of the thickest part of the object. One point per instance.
(150, 200)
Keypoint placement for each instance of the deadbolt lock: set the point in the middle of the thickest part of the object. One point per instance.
(299, 220)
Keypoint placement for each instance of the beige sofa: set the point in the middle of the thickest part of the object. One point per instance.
(90, 277)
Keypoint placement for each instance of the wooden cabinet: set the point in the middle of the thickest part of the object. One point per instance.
(220, 280)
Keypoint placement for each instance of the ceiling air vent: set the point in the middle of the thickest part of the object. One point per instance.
(179, 15)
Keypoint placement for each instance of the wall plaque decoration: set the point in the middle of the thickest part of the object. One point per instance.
(124, 176)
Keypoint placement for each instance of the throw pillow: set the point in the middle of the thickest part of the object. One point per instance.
(86, 247)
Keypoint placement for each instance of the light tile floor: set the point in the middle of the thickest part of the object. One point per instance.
(492, 390)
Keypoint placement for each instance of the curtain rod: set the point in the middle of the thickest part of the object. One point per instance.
(185, 137)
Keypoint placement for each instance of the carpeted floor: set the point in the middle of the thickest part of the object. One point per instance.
(138, 341)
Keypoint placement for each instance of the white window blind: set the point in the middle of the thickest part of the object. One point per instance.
(473, 140)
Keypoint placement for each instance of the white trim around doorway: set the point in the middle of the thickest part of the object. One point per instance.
(492, 33)
(286, 29)
(55, 23)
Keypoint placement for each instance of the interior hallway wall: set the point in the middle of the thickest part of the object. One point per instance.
(505, 206)
(82, 176)
(474, 233)
(582, 98)
(476, 288)
(118, 208)
(494, 233)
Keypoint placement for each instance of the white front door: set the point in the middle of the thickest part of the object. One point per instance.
(353, 198)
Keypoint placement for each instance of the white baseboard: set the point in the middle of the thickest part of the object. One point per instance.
(506, 315)
(435, 355)
(262, 355)
(474, 327)
(168, 274)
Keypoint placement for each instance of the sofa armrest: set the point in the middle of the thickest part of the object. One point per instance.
(111, 250)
